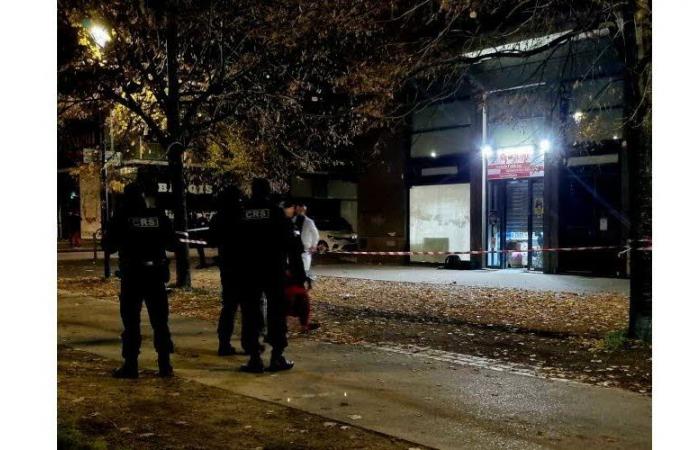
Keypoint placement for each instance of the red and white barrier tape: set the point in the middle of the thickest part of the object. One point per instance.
(473, 252)
(194, 241)
(481, 252)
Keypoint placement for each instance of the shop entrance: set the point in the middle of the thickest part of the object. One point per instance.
(515, 223)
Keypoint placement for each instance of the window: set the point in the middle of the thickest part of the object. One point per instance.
(442, 129)
(440, 143)
(439, 220)
(443, 115)
(332, 224)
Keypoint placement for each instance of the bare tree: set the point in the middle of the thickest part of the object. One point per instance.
(189, 70)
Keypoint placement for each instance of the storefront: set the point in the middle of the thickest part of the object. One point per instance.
(526, 160)
(438, 180)
(515, 205)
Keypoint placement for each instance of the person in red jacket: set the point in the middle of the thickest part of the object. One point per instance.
(299, 305)
(296, 294)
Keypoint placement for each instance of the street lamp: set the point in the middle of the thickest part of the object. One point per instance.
(99, 34)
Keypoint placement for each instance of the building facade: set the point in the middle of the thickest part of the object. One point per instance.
(528, 157)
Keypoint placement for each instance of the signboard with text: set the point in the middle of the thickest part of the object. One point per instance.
(515, 162)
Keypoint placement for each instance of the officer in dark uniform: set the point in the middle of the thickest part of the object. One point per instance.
(223, 232)
(266, 248)
(141, 234)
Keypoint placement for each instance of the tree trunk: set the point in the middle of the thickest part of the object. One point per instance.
(175, 149)
(177, 180)
(637, 137)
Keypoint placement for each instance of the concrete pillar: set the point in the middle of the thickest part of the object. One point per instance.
(477, 195)
(476, 211)
(382, 201)
(552, 171)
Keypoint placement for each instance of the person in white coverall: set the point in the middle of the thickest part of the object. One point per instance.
(309, 234)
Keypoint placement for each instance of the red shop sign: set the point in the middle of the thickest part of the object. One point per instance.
(515, 162)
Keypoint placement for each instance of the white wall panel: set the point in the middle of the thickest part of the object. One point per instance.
(439, 220)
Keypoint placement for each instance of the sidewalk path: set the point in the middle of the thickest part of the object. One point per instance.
(420, 399)
(508, 278)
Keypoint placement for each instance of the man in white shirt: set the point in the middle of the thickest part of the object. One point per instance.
(309, 234)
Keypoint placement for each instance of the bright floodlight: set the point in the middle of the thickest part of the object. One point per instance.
(545, 145)
(433, 154)
(486, 151)
(100, 35)
(578, 116)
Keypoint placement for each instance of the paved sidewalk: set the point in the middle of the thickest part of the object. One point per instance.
(432, 402)
(509, 278)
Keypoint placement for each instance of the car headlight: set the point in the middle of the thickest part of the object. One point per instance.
(353, 237)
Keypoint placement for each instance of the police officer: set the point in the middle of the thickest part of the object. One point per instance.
(266, 248)
(223, 231)
(141, 234)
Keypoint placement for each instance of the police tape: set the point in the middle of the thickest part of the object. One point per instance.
(472, 252)
(482, 252)
(194, 241)
(187, 234)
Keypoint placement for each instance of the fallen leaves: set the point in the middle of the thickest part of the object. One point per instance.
(554, 312)
(561, 334)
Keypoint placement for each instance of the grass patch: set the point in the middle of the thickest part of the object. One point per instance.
(69, 438)
(615, 340)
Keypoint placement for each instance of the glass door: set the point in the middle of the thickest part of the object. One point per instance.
(515, 223)
(516, 229)
(494, 224)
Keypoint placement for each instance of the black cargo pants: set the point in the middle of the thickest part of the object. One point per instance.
(230, 299)
(138, 286)
(251, 295)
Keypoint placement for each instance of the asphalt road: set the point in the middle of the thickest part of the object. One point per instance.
(428, 400)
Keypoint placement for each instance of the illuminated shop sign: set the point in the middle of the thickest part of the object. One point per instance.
(515, 162)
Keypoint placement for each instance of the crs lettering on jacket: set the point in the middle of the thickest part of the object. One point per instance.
(143, 222)
(256, 214)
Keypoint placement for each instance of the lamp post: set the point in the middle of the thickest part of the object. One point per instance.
(101, 37)
(486, 152)
(104, 162)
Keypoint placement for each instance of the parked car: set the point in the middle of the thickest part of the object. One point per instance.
(335, 234)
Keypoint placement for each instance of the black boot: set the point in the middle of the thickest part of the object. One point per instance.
(165, 370)
(254, 365)
(278, 363)
(226, 349)
(130, 369)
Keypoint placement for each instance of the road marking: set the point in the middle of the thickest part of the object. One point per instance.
(466, 360)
